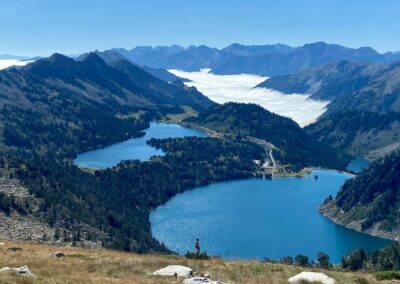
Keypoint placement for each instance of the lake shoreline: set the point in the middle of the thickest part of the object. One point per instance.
(333, 213)
(178, 246)
(304, 173)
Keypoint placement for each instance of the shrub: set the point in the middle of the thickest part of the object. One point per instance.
(201, 256)
(387, 275)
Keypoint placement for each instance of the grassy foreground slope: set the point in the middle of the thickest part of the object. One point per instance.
(106, 266)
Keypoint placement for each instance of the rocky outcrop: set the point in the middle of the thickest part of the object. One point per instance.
(174, 270)
(15, 249)
(311, 277)
(58, 254)
(183, 271)
(34, 225)
(24, 270)
(24, 228)
(200, 280)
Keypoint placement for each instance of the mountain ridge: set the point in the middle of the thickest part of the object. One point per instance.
(362, 117)
(112, 55)
(266, 60)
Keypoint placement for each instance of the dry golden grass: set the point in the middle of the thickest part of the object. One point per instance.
(105, 266)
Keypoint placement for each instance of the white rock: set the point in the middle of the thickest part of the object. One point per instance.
(2, 244)
(200, 280)
(311, 277)
(173, 270)
(24, 270)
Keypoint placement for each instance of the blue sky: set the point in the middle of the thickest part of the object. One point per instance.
(41, 27)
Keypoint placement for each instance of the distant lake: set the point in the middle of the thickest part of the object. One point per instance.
(358, 164)
(135, 148)
(258, 218)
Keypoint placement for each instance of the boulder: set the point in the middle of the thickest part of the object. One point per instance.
(200, 280)
(58, 254)
(174, 270)
(24, 270)
(311, 277)
(14, 249)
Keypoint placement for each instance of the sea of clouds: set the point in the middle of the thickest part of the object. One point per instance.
(240, 88)
(5, 63)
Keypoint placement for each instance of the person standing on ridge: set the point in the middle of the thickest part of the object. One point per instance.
(197, 246)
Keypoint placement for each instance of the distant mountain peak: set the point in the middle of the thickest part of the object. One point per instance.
(267, 60)
(57, 57)
(94, 58)
(48, 65)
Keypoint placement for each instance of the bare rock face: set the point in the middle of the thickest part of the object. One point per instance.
(174, 270)
(34, 226)
(24, 271)
(200, 280)
(311, 277)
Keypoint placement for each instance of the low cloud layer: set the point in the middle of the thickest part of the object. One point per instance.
(5, 63)
(239, 88)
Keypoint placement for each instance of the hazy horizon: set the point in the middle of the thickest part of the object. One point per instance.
(24, 56)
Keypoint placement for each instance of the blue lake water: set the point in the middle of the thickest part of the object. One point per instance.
(135, 148)
(242, 219)
(358, 164)
(258, 218)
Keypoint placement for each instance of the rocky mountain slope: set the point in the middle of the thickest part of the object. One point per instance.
(111, 55)
(348, 85)
(95, 75)
(363, 114)
(364, 133)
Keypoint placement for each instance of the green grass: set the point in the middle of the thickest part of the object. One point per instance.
(177, 118)
(388, 275)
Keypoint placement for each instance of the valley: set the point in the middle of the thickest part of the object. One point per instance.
(243, 89)
(199, 142)
(111, 156)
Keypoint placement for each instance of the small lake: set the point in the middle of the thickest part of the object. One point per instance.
(135, 148)
(358, 164)
(258, 218)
